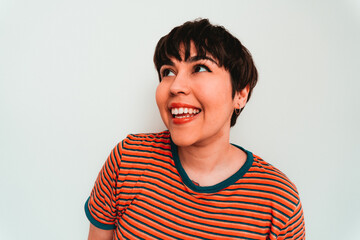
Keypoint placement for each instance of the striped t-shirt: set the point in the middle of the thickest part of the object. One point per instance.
(143, 192)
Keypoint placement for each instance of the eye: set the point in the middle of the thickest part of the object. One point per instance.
(201, 68)
(167, 72)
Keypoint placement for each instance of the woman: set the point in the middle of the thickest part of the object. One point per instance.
(189, 182)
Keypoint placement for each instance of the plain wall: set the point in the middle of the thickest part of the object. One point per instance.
(77, 76)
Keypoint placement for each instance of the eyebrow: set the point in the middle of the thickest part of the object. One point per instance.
(192, 59)
(197, 58)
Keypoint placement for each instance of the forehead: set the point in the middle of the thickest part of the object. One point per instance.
(190, 54)
(190, 50)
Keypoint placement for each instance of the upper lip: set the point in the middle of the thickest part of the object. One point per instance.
(183, 105)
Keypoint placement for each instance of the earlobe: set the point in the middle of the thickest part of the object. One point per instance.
(241, 97)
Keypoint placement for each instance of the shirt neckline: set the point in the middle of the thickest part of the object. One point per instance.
(219, 186)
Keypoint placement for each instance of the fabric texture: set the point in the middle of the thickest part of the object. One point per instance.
(143, 192)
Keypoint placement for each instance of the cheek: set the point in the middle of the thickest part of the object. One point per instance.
(217, 95)
(160, 96)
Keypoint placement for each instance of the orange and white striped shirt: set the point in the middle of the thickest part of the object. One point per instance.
(143, 192)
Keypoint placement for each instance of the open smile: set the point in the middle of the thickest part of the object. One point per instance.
(183, 113)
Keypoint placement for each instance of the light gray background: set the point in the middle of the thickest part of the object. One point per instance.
(77, 76)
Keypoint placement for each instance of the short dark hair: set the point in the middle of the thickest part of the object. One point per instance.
(216, 41)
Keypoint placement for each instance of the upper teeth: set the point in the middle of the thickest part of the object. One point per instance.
(181, 110)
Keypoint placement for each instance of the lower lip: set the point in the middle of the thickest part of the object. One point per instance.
(183, 120)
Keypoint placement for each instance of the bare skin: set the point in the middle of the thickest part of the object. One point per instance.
(215, 159)
(207, 167)
(100, 234)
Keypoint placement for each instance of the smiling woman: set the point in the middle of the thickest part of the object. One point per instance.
(190, 182)
(201, 85)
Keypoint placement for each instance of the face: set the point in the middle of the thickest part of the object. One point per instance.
(195, 100)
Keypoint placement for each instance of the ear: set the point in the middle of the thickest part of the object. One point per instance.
(241, 97)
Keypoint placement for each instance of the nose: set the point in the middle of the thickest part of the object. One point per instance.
(180, 84)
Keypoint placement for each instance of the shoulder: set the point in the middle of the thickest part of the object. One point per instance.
(278, 192)
(270, 174)
(147, 140)
(147, 145)
(143, 138)
(140, 145)
(274, 185)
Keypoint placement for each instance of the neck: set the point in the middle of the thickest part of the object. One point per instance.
(211, 160)
(211, 163)
(204, 158)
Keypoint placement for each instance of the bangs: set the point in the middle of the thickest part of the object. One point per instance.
(180, 39)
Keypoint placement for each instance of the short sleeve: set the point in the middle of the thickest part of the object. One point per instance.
(100, 208)
(295, 227)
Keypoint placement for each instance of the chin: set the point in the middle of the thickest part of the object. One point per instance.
(181, 139)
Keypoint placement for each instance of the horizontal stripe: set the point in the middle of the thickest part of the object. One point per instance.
(141, 192)
(164, 185)
(196, 213)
